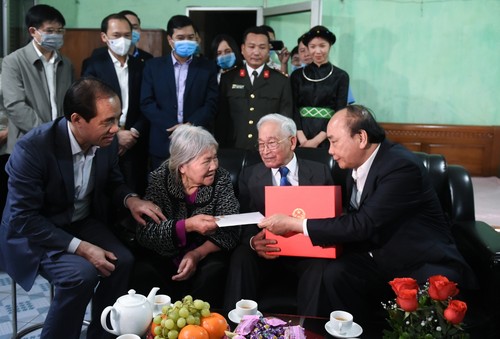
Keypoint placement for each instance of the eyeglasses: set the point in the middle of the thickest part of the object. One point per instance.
(271, 145)
(54, 31)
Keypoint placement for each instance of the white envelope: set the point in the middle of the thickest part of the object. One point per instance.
(239, 219)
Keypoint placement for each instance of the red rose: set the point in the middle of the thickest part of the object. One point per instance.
(399, 284)
(407, 300)
(455, 311)
(440, 288)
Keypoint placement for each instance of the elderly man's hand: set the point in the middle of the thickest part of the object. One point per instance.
(101, 259)
(261, 245)
(139, 207)
(280, 224)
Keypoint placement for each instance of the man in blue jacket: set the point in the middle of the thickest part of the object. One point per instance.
(180, 88)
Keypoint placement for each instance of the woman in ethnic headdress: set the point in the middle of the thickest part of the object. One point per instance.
(319, 89)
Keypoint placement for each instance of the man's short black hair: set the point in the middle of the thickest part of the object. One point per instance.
(255, 30)
(37, 15)
(361, 118)
(129, 12)
(115, 16)
(177, 22)
(82, 97)
(269, 29)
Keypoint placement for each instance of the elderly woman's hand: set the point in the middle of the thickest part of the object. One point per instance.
(188, 265)
(280, 224)
(201, 223)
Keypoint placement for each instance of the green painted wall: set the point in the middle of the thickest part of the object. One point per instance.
(411, 61)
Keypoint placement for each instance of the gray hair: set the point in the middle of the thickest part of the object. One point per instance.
(188, 142)
(287, 125)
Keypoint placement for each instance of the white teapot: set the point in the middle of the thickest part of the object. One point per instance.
(131, 313)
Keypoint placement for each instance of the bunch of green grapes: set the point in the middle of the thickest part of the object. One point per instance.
(178, 315)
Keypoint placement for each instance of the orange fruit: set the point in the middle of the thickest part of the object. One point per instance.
(215, 324)
(193, 332)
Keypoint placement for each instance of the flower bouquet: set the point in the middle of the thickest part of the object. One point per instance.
(430, 312)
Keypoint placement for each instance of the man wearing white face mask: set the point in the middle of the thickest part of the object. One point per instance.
(134, 52)
(124, 74)
(180, 88)
(37, 74)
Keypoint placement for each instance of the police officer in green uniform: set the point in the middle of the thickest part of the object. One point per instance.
(248, 93)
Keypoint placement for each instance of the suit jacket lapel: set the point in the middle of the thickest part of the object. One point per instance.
(305, 173)
(261, 81)
(192, 72)
(65, 157)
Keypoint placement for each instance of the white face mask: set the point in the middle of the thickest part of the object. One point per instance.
(120, 46)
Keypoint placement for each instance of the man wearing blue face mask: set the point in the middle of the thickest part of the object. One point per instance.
(180, 88)
(36, 76)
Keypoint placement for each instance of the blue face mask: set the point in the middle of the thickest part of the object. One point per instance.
(185, 48)
(136, 36)
(226, 61)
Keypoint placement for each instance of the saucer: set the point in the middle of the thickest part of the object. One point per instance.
(235, 318)
(355, 331)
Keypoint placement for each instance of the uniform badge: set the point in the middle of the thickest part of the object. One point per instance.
(266, 74)
(243, 73)
(237, 86)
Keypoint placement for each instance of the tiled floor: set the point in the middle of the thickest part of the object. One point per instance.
(32, 307)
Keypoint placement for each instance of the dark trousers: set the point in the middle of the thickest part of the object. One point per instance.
(207, 283)
(77, 282)
(250, 274)
(3, 181)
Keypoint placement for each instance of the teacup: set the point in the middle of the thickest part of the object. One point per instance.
(129, 336)
(246, 307)
(161, 300)
(341, 321)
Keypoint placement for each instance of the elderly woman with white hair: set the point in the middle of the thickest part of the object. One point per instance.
(190, 250)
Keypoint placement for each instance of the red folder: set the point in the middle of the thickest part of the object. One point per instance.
(303, 202)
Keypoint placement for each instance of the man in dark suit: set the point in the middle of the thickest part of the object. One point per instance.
(134, 52)
(248, 93)
(180, 88)
(251, 266)
(62, 177)
(124, 74)
(395, 226)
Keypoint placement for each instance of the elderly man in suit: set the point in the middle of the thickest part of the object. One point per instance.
(395, 226)
(250, 265)
(180, 88)
(36, 76)
(248, 93)
(62, 177)
(124, 74)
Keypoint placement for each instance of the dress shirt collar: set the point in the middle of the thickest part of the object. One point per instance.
(293, 174)
(361, 173)
(250, 70)
(177, 62)
(75, 146)
(53, 58)
(117, 62)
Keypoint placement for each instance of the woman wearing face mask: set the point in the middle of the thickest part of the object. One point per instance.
(319, 89)
(226, 53)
